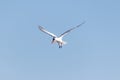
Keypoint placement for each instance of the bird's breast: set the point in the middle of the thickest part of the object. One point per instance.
(58, 39)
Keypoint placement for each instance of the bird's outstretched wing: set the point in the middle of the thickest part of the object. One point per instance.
(47, 32)
(66, 32)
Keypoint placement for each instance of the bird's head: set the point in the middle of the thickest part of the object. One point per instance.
(53, 40)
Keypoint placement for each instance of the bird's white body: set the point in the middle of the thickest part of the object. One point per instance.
(58, 39)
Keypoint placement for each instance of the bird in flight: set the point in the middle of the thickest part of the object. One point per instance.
(58, 39)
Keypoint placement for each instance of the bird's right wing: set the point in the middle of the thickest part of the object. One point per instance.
(66, 32)
(47, 32)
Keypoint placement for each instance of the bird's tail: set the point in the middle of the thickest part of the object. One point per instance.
(64, 42)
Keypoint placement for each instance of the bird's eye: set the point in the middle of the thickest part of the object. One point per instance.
(53, 38)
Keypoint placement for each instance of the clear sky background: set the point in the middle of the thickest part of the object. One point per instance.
(92, 52)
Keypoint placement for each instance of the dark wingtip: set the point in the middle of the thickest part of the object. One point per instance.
(40, 27)
(81, 23)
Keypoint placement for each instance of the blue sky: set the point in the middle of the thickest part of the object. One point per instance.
(92, 52)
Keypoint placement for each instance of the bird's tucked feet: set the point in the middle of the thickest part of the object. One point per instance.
(60, 46)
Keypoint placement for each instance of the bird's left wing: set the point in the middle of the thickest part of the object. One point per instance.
(47, 32)
(66, 32)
